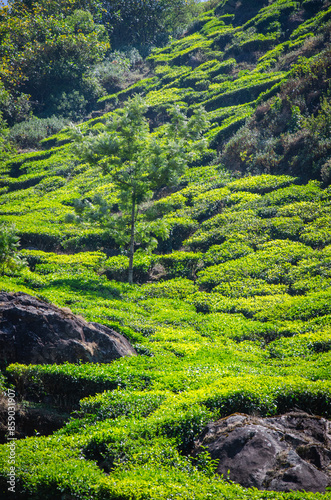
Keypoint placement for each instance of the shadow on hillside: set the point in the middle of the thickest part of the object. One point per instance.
(89, 288)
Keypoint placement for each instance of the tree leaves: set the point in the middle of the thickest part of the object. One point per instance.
(10, 259)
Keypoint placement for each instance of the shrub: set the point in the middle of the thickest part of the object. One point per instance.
(116, 268)
(29, 133)
(116, 403)
(261, 184)
(66, 384)
(173, 288)
(230, 250)
(10, 258)
(181, 264)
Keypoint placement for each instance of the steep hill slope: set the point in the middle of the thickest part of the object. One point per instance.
(232, 313)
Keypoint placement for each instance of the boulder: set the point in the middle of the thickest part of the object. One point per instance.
(284, 453)
(30, 420)
(35, 332)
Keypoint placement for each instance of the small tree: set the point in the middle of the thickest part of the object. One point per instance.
(9, 255)
(139, 162)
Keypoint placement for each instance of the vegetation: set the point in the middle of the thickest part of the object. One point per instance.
(10, 258)
(230, 312)
(56, 58)
(138, 164)
(148, 23)
(45, 57)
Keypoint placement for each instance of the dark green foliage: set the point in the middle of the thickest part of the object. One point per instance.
(10, 258)
(47, 56)
(29, 133)
(288, 133)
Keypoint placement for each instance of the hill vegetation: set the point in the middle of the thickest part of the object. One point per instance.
(231, 312)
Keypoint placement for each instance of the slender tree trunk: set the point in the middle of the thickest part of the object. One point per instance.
(131, 249)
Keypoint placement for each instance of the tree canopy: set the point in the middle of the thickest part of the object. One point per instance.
(142, 23)
(47, 53)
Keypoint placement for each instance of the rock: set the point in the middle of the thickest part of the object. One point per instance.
(30, 420)
(35, 332)
(289, 452)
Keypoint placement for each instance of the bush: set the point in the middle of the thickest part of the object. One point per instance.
(174, 288)
(181, 264)
(10, 258)
(29, 133)
(70, 105)
(117, 268)
(66, 384)
(116, 403)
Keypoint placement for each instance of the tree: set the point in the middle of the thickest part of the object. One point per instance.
(144, 23)
(5, 147)
(47, 56)
(55, 7)
(139, 162)
(9, 255)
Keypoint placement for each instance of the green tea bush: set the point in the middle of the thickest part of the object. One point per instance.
(244, 90)
(249, 287)
(208, 204)
(172, 288)
(231, 249)
(293, 308)
(187, 424)
(313, 24)
(116, 268)
(241, 225)
(269, 263)
(286, 227)
(308, 192)
(181, 228)
(66, 384)
(301, 345)
(242, 200)
(261, 184)
(116, 403)
(181, 264)
(317, 233)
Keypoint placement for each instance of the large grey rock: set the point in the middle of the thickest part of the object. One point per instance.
(289, 452)
(33, 331)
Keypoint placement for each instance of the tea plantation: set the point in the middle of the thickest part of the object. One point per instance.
(231, 312)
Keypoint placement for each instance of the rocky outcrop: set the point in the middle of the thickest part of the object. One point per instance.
(33, 331)
(289, 452)
(30, 420)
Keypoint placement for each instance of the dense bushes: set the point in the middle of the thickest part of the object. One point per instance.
(144, 24)
(288, 133)
(29, 133)
(46, 57)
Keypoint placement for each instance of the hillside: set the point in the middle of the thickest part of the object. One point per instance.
(231, 312)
